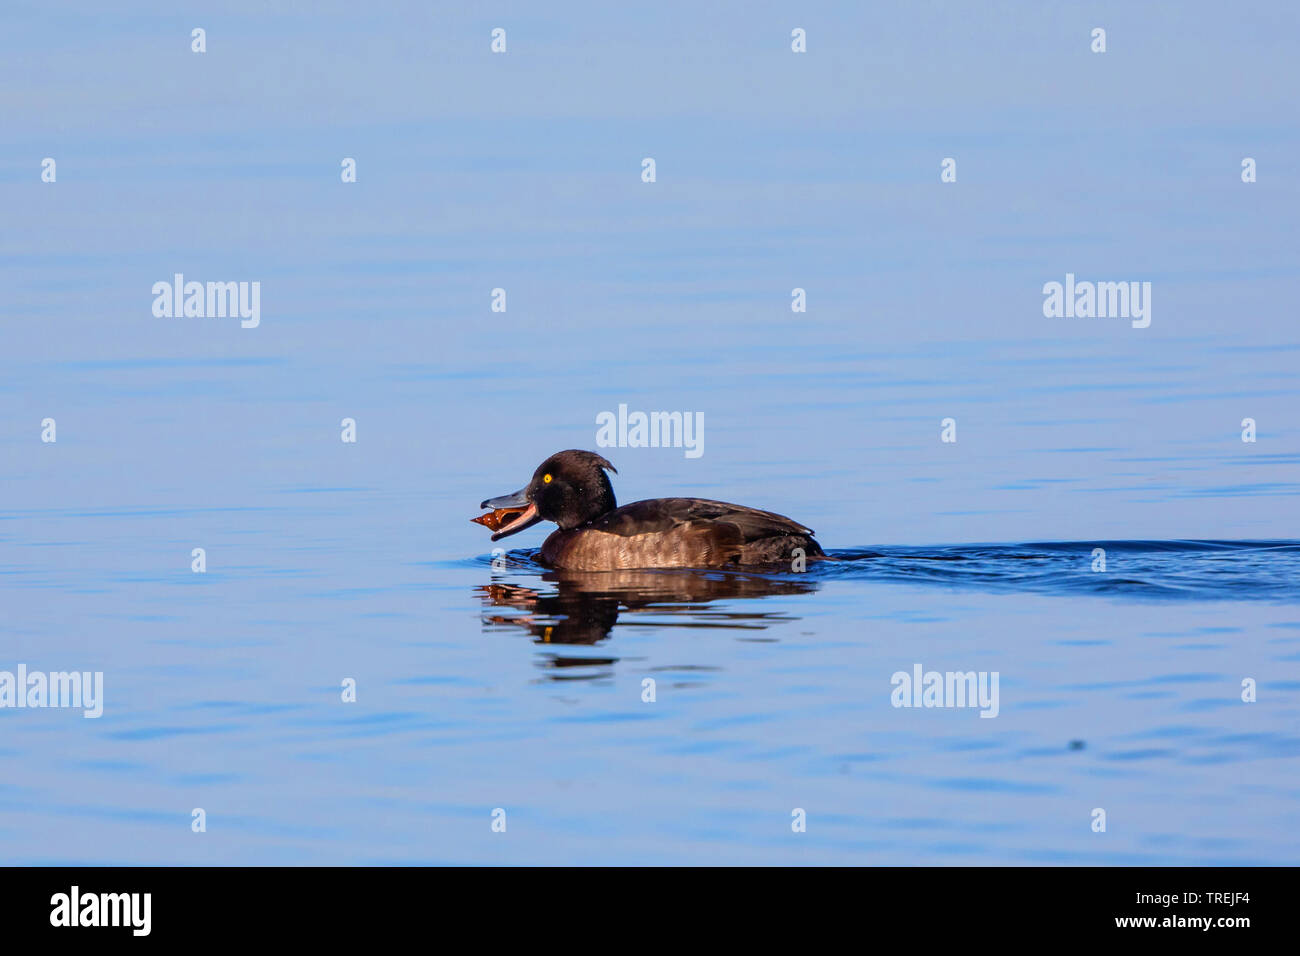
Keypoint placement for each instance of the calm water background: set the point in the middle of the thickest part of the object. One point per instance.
(328, 560)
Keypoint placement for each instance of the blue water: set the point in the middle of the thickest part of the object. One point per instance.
(1178, 570)
(482, 687)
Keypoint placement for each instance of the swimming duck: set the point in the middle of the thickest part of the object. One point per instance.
(595, 534)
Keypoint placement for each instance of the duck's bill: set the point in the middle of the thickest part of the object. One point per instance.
(510, 515)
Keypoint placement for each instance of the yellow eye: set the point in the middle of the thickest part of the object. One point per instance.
(546, 479)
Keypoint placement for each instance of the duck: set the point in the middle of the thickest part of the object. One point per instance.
(572, 489)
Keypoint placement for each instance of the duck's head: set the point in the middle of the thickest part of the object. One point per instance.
(569, 488)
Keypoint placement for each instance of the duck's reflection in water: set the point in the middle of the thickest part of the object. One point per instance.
(583, 607)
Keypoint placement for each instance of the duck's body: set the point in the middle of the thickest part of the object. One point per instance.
(679, 533)
(572, 489)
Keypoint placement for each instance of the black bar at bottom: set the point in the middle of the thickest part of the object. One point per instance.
(333, 905)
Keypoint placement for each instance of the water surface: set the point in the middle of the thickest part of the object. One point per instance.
(521, 689)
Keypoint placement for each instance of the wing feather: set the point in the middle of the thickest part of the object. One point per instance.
(665, 514)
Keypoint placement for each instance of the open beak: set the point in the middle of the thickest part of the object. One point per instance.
(527, 512)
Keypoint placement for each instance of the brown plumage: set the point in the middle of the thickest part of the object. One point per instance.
(572, 489)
